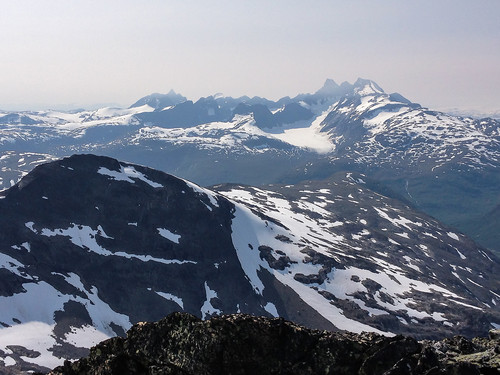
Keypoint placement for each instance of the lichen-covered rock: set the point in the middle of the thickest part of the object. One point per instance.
(244, 344)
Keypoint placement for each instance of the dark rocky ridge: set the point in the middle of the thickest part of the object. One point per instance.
(243, 344)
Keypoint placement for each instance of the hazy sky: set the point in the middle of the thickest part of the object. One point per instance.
(60, 53)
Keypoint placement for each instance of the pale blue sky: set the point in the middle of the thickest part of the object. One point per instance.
(56, 53)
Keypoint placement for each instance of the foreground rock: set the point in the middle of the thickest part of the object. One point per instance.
(243, 344)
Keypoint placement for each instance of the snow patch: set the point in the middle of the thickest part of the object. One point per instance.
(271, 309)
(462, 256)
(36, 336)
(305, 134)
(207, 309)
(398, 222)
(126, 174)
(165, 233)
(14, 266)
(85, 337)
(172, 298)
(86, 238)
(210, 194)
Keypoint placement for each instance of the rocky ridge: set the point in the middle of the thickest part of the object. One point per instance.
(243, 344)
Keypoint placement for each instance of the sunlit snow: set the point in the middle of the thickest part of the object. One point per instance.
(207, 309)
(169, 235)
(126, 174)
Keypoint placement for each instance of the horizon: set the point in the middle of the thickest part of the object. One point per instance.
(87, 54)
(70, 107)
(470, 112)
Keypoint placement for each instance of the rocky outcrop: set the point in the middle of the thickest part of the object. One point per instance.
(244, 344)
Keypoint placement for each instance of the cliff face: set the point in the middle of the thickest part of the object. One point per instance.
(244, 344)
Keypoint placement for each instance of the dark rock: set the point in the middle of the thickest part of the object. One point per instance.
(278, 264)
(283, 238)
(371, 285)
(244, 344)
(310, 279)
(494, 334)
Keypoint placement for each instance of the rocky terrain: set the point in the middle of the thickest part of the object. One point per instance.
(92, 245)
(243, 344)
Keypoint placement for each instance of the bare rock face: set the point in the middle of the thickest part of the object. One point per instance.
(244, 344)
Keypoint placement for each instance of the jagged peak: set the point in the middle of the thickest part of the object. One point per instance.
(367, 87)
(361, 87)
(172, 93)
(330, 88)
(160, 101)
(329, 84)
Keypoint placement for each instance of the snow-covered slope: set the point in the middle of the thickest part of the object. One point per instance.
(370, 127)
(92, 245)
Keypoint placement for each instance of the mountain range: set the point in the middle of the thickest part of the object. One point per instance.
(91, 245)
(430, 159)
(345, 209)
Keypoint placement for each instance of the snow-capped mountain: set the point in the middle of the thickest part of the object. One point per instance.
(432, 159)
(357, 125)
(91, 245)
(370, 127)
(359, 121)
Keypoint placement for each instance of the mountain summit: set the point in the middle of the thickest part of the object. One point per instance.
(160, 101)
(240, 344)
(330, 89)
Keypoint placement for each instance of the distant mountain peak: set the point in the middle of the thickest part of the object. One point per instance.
(329, 86)
(361, 87)
(367, 87)
(330, 89)
(160, 101)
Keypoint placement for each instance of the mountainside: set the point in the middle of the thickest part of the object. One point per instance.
(444, 165)
(90, 245)
(182, 344)
(373, 128)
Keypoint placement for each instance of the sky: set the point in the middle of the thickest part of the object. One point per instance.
(63, 54)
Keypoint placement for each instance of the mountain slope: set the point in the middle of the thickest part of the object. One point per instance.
(372, 128)
(90, 245)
